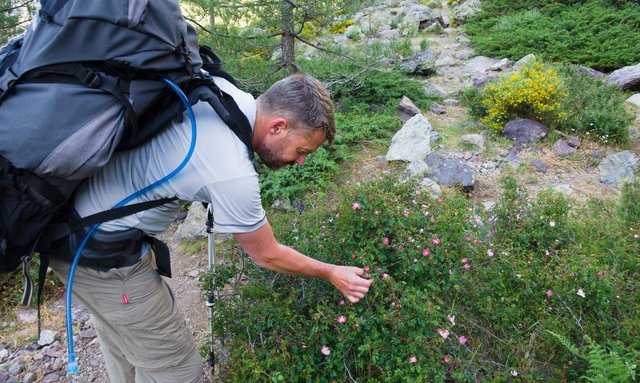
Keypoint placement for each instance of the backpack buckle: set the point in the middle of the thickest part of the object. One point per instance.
(88, 77)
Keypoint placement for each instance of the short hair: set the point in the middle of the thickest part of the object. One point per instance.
(304, 101)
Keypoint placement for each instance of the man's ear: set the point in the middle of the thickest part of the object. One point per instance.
(278, 125)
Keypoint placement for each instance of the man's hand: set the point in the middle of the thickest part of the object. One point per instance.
(352, 282)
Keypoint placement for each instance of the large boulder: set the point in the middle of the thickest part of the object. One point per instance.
(423, 63)
(627, 78)
(412, 142)
(525, 131)
(618, 167)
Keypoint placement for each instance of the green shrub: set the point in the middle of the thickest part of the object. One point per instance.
(535, 91)
(592, 108)
(596, 33)
(459, 294)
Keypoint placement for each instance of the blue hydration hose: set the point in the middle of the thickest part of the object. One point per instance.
(72, 364)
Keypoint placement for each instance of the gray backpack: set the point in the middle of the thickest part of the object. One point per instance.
(88, 78)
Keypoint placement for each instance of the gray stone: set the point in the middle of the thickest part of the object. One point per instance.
(465, 10)
(47, 337)
(618, 167)
(424, 63)
(417, 168)
(4, 376)
(26, 315)
(563, 149)
(526, 59)
(471, 125)
(193, 227)
(412, 142)
(451, 102)
(88, 334)
(479, 65)
(437, 108)
(453, 172)
(29, 377)
(51, 378)
(573, 141)
(564, 189)
(407, 109)
(431, 187)
(433, 160)
(473, 139)
(634, 99)
(524, 131)
(627, 78)
(3, 354)
(591, 72)
(15, 368)
(540, 166)
(501, 65)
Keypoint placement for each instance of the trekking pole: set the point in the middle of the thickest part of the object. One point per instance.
(210, 293)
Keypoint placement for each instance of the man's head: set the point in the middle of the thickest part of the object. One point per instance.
(295, 116)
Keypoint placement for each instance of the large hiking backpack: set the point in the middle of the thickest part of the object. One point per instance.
(84, 81)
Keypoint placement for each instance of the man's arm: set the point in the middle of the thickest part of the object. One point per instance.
(263, 248)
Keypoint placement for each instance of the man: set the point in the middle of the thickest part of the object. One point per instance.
(141, 333)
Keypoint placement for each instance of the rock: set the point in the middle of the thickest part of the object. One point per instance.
(15, 368)
(501, 65)
(417, 168)
(431, 187)
(4, 376)
(26, 315)
(591, 72)
(412, 142)
(451, 102)
(423, 64)
(3, 354)
(453, 172)
(88, 334)
(407, 109)
(465, 10)
(47, 337)
(573, 141)
(627, 78)
(526, 59)
(471, 125)
(564, 189)
(540, 166)
(563, 149)
(29, 377)
(194, 225)
(51, 378)
(437, 108)
(634, 100)
(479, 65)
(618, 167)
(473, 139)
(433, 160)
(524, 131)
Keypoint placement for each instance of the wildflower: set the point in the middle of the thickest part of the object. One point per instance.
(552, 224)
(415, 260)
(467, 266)
(600, 273)
(464, 260)
(462, 339)
(467, 239)
(366, 268)
(436, 241)
(342, 319)
(413, 359)
(325, 350)
(514, 373)
(386, 240)
(425, 252)
(405, 213)
(636, 235)
(355, 206)
(432, 219)
(421, 231)
(341, 303)
(353, 256)
(376, 212)
(443, 333)
(452, 319)
(475, 241)
(549, 292)
(385, 276)
(415, 202)
(581, 293)
(490, 252)
(446, 359)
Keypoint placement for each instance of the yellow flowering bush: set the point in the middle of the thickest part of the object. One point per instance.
(340, 26)
(535, 91)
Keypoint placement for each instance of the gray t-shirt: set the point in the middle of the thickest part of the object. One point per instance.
(219, 172)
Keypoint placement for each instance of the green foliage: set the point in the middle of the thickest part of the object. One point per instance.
(614, 364)
(596, 33)
(459, 294)
(561, 96)
(592, 108)
(628, 207)
(14, 17)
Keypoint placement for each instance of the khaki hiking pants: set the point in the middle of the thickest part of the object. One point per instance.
(142, 335)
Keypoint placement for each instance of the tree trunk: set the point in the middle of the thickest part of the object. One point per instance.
(287, 62)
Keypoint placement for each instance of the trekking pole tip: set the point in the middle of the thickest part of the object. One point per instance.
(72, 367)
